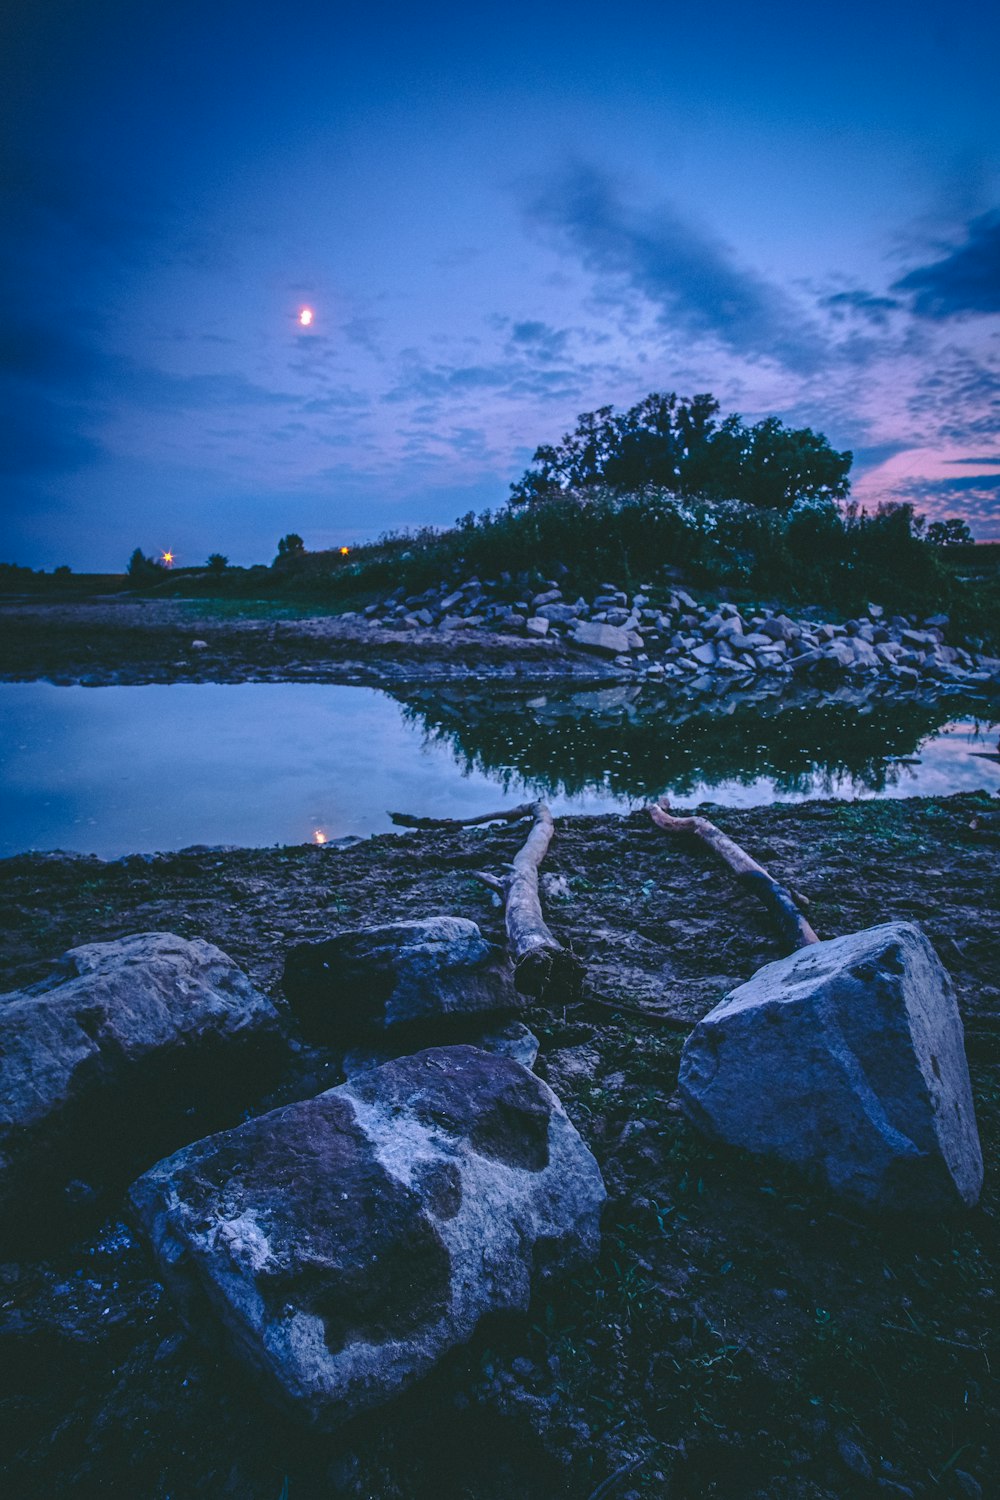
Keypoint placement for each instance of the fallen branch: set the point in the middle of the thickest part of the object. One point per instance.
(510, 815)
(543, 968)
(792, 925)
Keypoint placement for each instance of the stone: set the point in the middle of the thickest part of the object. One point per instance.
(558, 614)
(374, 978)
(100, 1061)
(610, 638)
(537, 626)
(340, 1246)
(705, 654)
(846, 1058)
(550, 596)
(513, 1040)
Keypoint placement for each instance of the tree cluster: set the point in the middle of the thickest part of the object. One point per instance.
(679, 444)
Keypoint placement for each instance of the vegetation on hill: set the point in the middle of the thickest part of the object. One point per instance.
(666, 490)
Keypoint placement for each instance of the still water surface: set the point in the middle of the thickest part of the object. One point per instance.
(114, 770)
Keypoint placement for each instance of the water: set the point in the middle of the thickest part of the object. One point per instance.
(114, 770)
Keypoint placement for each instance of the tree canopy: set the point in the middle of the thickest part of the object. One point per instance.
(678, 443)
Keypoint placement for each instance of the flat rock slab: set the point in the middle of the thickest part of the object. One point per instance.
(374, 978)
(600, 637)
(848, 1059)
(341, 1245)
(93, 1057)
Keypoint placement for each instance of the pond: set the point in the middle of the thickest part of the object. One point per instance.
(115, 770)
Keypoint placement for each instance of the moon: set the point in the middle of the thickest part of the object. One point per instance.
(305, 317)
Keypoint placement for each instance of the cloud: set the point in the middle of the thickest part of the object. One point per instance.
(539, 339)
(693, 281)
(966, 281)
(866, 305)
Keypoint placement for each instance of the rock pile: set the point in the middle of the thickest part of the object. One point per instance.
(666, 634)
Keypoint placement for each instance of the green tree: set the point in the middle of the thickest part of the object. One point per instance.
(143, 568)
(291, 545)
(952, 532)
(678, 444)
(217, 564)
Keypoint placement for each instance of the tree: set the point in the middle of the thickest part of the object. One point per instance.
(952, 532)
(143, 568)
(291, 545)
(677, 443)
(217, 564)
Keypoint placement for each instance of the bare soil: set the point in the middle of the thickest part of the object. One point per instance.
(742, 1334)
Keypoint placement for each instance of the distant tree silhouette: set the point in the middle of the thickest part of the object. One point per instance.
(291, 545)
(217, 564)
(141, 567)
(952, 532)
(677, 443)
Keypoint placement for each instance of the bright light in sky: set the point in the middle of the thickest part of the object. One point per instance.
(305, 317)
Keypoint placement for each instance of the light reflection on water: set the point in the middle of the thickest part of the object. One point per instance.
(120, 769)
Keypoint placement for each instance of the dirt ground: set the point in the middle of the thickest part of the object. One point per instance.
(742, 1334)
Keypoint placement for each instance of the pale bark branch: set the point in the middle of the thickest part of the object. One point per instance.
(509, 815)
(780, 902)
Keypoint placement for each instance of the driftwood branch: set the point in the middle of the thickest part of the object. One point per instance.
(542, 966)
(780, 902)
(510, 815)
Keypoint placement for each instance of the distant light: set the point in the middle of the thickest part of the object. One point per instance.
(305, 317)
(319, 837)
(344, 551)
(167, 559)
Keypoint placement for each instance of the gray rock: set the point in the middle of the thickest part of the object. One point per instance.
(102, 1057)
(559, 614)
(846, 1058)
(379, 977)
(537, 625)
(705, 654)
(610, 638)
(550, 596)
(513, 1040)
(341, 1245)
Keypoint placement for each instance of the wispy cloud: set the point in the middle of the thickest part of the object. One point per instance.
(695, 282)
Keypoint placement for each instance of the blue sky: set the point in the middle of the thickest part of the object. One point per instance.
(502, 217)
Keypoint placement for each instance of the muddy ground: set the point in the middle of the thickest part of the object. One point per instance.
(101, 642)
(742, 1334)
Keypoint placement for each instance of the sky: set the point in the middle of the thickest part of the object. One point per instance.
(501, 216)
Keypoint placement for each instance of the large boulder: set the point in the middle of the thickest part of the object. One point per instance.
(848, 1059)
(102, 1059)
(374, 978)
(341, 1245)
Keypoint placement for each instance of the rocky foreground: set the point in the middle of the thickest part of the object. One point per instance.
(743, 1333)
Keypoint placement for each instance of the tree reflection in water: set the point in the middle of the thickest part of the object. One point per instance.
(637, 742)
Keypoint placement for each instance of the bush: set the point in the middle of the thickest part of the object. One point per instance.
(143, 569)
